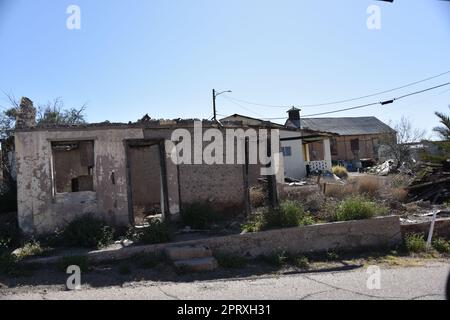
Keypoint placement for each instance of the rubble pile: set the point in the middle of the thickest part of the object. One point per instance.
(432, 183)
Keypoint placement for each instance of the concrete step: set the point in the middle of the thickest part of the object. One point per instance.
(197, 265)
(186, 253)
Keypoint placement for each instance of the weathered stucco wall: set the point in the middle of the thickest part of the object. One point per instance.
(40, 210)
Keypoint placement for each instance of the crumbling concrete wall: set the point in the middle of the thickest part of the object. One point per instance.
(41, 209)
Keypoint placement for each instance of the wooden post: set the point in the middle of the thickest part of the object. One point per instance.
(272, 180)
(246, 183)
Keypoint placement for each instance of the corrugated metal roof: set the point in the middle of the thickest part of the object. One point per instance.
(347, 126)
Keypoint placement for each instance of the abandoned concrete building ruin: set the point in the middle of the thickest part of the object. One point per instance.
(118, 172)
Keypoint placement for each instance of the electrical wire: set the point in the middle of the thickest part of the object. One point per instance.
(370, 104)
(345, 100)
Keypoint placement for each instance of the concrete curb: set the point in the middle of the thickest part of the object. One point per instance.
(350, 235)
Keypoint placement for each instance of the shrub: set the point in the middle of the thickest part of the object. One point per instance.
(342, 191)
(368, 186)
(441, 245)
(30, 249)
(8, 263)
(332, 255)
(231, 261)
(415, 242)
(290, 214)
(257, 197)
(257, 221)
(81, 261)
(358, 208)
(340, 171)
(300, 262)
(276, 259)
(154, 232)
(88, 232)
(398, 194)
(198, 216)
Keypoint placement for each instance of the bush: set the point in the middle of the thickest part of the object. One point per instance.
(88, 232)
(231, 261)
(368, 186)
(358, 208)
(441, 245)
(415, 242)
(340, 171)
(276, 259)
(342, 191)
(31, 249)
(290, 214)
(11, 265)
(398, 194)
(198, 216)
(257, 197)
(8, 263)
(155, 232)
(300, 262)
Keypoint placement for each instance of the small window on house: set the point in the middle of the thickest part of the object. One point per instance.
(73, 166)
(354, 144)
(287, 151)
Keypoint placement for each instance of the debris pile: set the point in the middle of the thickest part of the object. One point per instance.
(383, 169)
(432, 183)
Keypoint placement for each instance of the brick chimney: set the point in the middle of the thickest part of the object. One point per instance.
(26, 116)
(294, 116)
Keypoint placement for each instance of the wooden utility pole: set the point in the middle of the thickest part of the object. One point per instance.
(215, 94)
(214, 105)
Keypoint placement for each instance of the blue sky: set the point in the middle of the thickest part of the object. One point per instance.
(163, 57)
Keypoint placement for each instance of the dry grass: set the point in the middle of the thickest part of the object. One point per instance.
(398, 194)
(368, 186)
(257, 197)
(340, 171)
(310, 197)
(341, 191)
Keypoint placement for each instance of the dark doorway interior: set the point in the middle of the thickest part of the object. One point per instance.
(145, 180)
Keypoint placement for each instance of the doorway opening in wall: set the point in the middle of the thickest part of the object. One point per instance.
(73, 166)
(146, 174)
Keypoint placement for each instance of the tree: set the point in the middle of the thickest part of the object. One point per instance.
(51, 113)
(444, 130)
(398, 146)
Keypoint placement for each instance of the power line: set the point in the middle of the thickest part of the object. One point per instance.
(241, 106)
(342, 101)
(370, 104)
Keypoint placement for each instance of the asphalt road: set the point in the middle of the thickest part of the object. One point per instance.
(395, 283)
